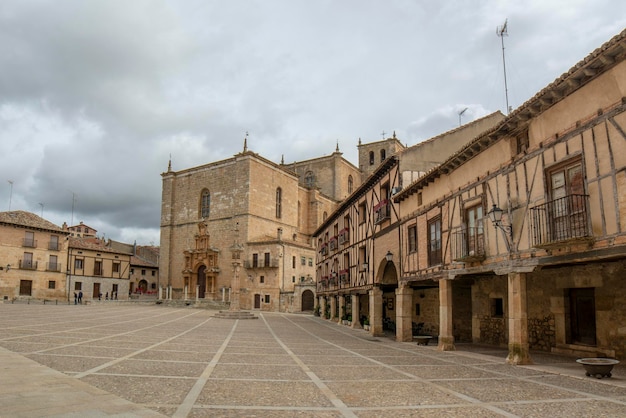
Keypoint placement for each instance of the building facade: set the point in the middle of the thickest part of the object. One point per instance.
(518, 239)
(33, 253)
(358, 246)
(99, 269)
(248, 202)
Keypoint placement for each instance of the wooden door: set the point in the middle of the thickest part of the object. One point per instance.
(583, 316)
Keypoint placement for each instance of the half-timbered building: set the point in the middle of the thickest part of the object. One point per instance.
(519, 238)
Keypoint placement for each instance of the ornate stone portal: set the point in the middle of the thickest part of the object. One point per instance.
(200, 272)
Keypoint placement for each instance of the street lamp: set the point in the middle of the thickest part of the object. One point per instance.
(389, 256)
(495, 216)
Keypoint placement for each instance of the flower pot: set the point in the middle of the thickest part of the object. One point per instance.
(598, 367)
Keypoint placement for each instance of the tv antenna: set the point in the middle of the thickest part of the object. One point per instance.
(501, 31)
(461, 114)
(10, 194)
(42, 205)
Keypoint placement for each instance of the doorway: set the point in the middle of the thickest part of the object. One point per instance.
(257, 301)
(201, 282)
(582, 316)
(308, 300)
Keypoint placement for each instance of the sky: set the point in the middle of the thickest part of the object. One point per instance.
(97, 96)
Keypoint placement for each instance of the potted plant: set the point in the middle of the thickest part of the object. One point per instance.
(366, 324)
(349, 320)
(316, 312)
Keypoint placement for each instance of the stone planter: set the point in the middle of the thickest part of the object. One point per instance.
(422, 339)
(598, 367)
(366, 327)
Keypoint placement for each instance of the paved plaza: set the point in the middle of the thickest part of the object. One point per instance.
(131, 360)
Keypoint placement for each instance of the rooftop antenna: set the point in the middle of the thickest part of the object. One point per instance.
(73, 203)
(501, 31)
(461, 114)
(41, 204)
(10, 194)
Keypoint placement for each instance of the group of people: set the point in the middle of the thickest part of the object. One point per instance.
(106, 297)
(78, 297)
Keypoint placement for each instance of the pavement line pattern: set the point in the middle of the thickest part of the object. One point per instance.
(412, 376)
(185, 407)
(75, 329)
(585, 395)
(133, 354)
(176, 362)
(342, 407)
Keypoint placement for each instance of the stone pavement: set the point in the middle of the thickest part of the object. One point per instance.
(127, 360)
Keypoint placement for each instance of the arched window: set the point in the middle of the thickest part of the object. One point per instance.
(279, 198)
(309, 179)
(324, 216)
(383, 155)
(350, 184)
(371, 157)
(205, 204)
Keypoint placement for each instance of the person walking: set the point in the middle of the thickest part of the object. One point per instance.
(80, 297)
(75, 298)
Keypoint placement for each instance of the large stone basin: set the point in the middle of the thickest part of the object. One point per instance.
(598, 367)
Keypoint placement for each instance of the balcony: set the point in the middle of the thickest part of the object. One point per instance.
(344, 236)
(54, 246)
(468, 244)
(29, 242)
(53, 267)
(382, 211)
(28, 265)
(324, 249)
(332, 243)
(97, 272)
(344, 276)
(261, 264)
(560, 221)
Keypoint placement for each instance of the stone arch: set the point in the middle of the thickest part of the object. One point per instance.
(308, 300)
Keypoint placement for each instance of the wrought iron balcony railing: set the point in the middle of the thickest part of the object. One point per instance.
(468, 243)
(53, 267)
(560, 220)
(29, 242)
(28, 265)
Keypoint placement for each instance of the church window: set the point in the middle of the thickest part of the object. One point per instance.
(350, 184)
(383, 155)
(279, 199)
(371, 157)
(205, 204)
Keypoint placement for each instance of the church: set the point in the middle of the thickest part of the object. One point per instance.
(249, 219)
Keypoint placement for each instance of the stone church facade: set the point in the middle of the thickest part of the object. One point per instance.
(268, 210)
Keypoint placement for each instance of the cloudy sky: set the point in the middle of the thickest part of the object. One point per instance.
(96, 95)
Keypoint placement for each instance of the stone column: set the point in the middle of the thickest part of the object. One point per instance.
(160, 293)
(518, 320)
(376, 311)
(323, 303)
(333, 307)
(197, 292)
(169, 292)
(356, 310)
(404, 314)
(342, 307)
(185, 294)
(446, 338)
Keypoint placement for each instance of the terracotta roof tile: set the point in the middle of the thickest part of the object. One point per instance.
(29, 220)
